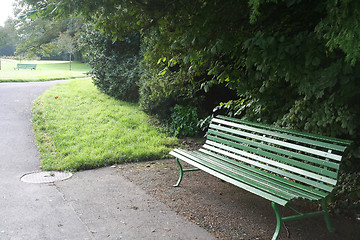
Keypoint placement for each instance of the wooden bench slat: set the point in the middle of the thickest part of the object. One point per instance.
(276, 134)
(290, 154)
(276, 183)
(310, 192)
(278, 188)
(290, 161)
(256, 191)
(273, 163)
(279, 143)
(280, 166)
(246, 177)
(272, 169)
(290, 131)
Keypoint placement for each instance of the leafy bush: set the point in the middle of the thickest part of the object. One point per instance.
(164, 103)
(184, 121)
(153, 100)
(115, 64)
(347, 197)
(172, 93)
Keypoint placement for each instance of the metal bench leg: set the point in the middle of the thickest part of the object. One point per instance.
(279, 221)
(181, 173)
(326, 216)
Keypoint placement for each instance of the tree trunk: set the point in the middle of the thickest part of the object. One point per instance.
(70, 61)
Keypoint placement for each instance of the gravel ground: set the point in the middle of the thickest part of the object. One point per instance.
(226, 211)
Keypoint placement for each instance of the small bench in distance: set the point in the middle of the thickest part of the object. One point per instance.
(25, 66)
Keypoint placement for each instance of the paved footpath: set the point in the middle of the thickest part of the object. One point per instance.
(97, 204)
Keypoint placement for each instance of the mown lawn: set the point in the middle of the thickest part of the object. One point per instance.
(45, 70)
(77, 127)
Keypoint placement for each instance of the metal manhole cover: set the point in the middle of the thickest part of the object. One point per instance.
(45, 177)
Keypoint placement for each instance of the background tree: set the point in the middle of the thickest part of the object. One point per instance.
(40, 36)
(37, 36)
(66, 43)
(7, 39)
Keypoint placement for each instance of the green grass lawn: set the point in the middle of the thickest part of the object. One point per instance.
(45, 70)
(77, 127)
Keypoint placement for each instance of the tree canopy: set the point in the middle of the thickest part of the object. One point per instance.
(336, 22)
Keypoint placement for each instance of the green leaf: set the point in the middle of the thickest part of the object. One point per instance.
(163, 72)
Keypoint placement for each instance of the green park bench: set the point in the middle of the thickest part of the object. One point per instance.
(277, 164)
(25, 66)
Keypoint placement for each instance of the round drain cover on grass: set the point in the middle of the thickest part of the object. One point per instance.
(45, 177)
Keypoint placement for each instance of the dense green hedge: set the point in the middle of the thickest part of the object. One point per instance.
(115, 64)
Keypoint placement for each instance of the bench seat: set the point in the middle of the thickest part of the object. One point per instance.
(261, 183)
(277, 164)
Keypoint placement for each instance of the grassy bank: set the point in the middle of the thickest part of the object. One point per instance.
(45, 70)
(77, 127)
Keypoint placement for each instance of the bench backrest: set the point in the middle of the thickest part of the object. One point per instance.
(304, 158)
